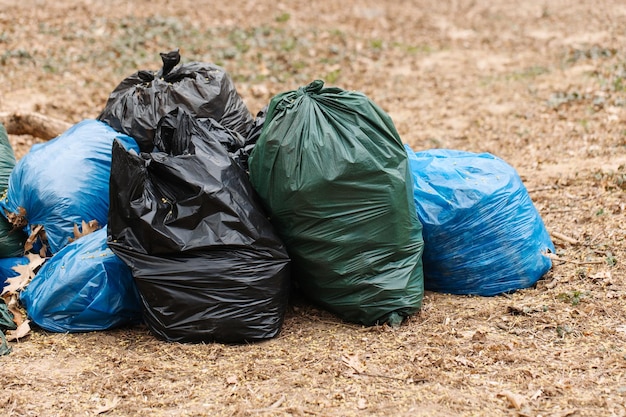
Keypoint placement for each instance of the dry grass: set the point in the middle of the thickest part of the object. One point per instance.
(540, 84)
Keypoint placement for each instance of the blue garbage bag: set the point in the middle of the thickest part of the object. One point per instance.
(84, 287)
(482, 233)
(60, 183)
(6, 268)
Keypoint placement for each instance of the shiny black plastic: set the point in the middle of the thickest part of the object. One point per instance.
(205, 90)
(207, 261)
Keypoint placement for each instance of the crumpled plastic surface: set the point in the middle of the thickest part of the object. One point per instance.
(11, 240)
(332, 171)
(84, 287)
(6, 268)
(6, 323)
(482, 233)
(65, 181)
(202, 89)
(207, 262)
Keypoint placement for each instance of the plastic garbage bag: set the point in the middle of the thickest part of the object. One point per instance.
(243, 154)
(332, 172)
(65, 181)
(11, 239)
(84, 287)
(207, 262)
(482, 233)
(7, 158)
(202, 89)
(6, 268)
(6, 323)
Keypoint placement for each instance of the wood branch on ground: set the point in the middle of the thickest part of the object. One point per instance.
(34, 124)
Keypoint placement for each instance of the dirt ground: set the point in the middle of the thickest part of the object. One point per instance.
(541, 84)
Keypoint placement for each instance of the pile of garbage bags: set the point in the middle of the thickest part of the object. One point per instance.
(179, 209)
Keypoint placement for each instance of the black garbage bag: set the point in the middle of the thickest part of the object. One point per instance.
(181, 121)
(206, 260)
(242, 155)
(204, 90)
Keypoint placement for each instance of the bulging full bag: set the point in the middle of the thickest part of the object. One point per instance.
(11, 239)
(482, 233)
(332, 172)
(84, 287)
(63, 182)
(207, 261)
(202, 89)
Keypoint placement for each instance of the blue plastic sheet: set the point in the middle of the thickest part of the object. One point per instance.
(84, 287)
(482, 233)
(65, 181)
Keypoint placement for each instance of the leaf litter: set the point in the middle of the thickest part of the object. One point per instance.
(451, 75)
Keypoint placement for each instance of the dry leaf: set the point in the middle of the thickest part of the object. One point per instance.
(87, 227)
(536, 395)
(13, 305)
(621, 328)
(603, 277)
(516, 401)
(35, 232)
(278, 402)
(479, 336)
(17, 220)
(464, 361)
(108, 405)
(14, 284)
(25, 274)
(361, 403)
(21, 331)
(35, 261)
(353, 362)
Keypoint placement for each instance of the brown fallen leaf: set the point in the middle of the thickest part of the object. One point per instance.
(36, 232)
(19, 333)
(35, 260)
(12, 302)
(108, 405)
(17, 220)
(86, 228)
(25, 273)
(10, 294)
(515, 400)
(361, 403)
(14, 284)
(353, 362)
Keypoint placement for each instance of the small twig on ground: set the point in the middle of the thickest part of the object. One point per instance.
(564, 238)
(544, 188)
(564, 210)
(573, 261)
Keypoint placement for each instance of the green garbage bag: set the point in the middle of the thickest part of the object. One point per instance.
(11, 241)
(6, 323)
(335, 180)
